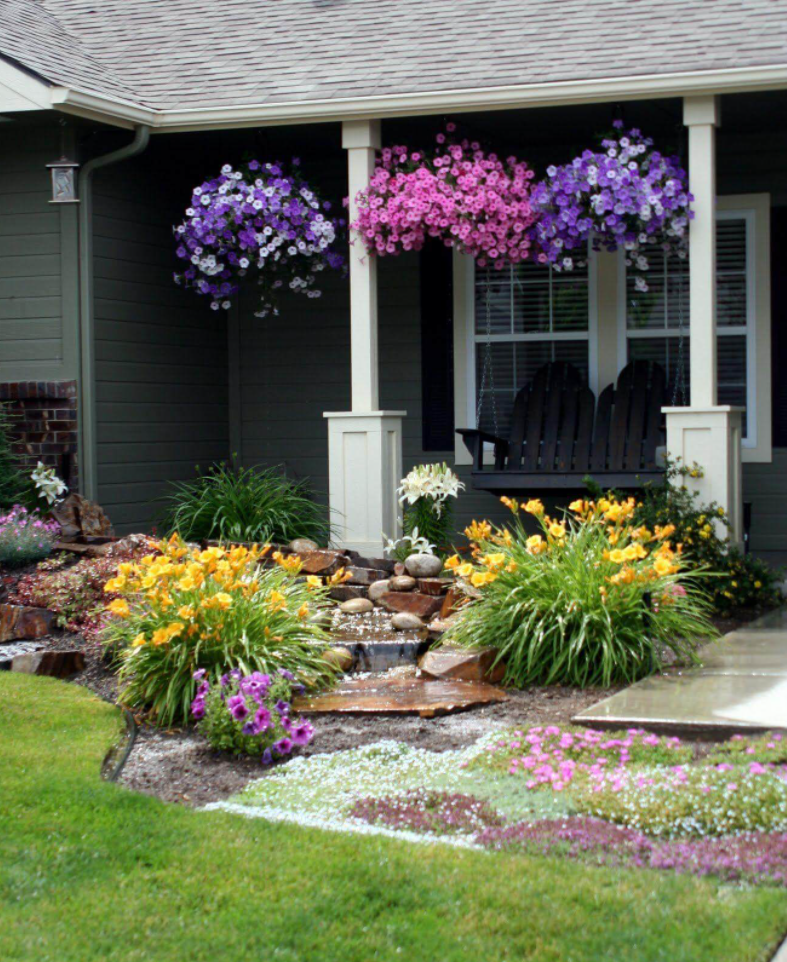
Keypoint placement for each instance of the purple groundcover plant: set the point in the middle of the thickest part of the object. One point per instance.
(256, 218)
(435, 812)
(625, 195)
(250, 714)
(25, 536)
(760, 858)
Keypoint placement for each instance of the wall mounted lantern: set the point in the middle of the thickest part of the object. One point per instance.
(64, 181)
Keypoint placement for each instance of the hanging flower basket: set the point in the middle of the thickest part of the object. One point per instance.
(257, 219)
(459, 194)
(626, 195)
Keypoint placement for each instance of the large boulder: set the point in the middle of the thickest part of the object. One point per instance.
(463, 664)
(56, 664)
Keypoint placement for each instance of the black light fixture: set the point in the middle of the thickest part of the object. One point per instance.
(64, 181)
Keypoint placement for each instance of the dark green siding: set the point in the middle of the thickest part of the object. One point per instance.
(161, 353)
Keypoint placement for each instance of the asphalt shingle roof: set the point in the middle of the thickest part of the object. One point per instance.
(184, 53)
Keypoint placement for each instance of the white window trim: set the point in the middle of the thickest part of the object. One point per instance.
(755, 210)
(465, 344)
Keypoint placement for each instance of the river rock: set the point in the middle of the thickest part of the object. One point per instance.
(378, 588)
(339, 657)
(402, 583)
(322, 562)
(356, 606)
(303, 546)
(423, 565)
(405, 621)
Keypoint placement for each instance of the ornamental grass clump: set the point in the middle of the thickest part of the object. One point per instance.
(183, 609)
(589, 600)
(246, 505)
(25, 537)
(250, 714)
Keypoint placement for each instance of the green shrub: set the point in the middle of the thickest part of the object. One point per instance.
(590, 601)
(737, 580)
(15, 487)
(183, 609)
(244, 504)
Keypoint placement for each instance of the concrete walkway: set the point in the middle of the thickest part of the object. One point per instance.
(740, 686)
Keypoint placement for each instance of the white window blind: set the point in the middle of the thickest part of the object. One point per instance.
(658, 322)
(525, 315)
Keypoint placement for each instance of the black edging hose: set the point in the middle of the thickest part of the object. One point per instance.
(131, 736)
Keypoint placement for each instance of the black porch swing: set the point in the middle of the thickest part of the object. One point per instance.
(559, 435)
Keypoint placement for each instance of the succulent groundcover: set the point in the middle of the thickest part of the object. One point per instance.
(626, 799)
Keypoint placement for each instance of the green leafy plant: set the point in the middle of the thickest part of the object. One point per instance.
(592, 600)
(15, 487)
(181, 610)
(737, 580)
(244, 504)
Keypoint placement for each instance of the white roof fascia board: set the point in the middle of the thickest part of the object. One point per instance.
(564, 93)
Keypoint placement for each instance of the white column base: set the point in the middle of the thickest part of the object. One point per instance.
(711, 437)
(364, 470)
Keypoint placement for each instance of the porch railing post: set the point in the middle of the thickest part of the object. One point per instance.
(706, 433)
(701, 116)
(365, 443)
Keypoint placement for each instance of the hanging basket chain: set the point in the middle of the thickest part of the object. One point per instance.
(487, 370)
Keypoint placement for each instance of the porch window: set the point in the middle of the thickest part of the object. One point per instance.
(524, 316)
(658, 323)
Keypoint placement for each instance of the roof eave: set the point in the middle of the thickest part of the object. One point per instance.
(561, 93)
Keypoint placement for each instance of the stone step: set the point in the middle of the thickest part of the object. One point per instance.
(413, 602)
(399, 693)
(19, 623)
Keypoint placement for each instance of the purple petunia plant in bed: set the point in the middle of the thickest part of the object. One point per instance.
(259, 219)
(250, 714)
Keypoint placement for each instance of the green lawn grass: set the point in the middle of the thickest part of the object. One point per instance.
(90, 871)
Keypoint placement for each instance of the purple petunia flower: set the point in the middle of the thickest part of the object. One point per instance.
(267, 757)
(283, 746)
(263, 718)
(198, 708)
(237, 707)
(302, 733)
(286, 674)
(199, 674)
(282, 707)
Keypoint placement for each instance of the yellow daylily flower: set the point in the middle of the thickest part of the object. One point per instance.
(534, 506)
(120, 608)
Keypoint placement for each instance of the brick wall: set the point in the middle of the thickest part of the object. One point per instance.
(45, 424)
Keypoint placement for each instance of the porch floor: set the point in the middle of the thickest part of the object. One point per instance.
(741, 685)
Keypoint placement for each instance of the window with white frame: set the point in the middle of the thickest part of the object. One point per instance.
(524, 316)
(657, 322)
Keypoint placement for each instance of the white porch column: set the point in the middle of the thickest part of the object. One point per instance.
(364, 444)
(706, 433)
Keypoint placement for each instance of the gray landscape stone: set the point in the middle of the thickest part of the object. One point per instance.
(423, 565)
(402, 583)
(356, 606)
(378, 588)
(405, 621)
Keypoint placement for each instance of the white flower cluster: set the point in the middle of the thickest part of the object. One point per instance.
(437, 482)
(48, 485)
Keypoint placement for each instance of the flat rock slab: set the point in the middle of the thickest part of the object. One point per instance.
(740, 686)
(411, 601)
(18, 623)
(323, 562)
(400, 694)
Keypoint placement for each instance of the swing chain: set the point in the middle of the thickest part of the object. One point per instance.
(487, 371)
